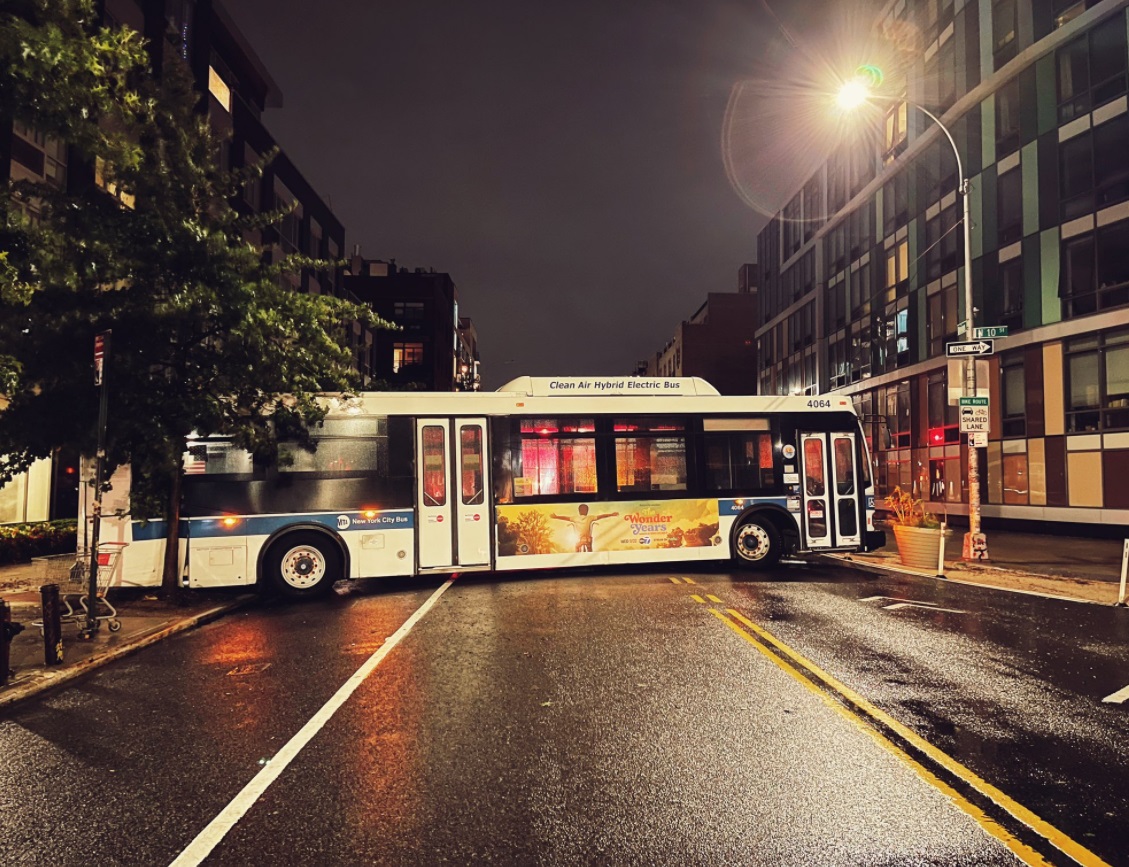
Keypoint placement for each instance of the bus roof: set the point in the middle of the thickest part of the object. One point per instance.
(528, 395)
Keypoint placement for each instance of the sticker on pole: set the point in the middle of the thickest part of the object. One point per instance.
(99, 357)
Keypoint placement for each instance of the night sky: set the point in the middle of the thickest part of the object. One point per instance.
(563, 162)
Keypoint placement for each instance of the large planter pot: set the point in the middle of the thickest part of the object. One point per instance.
(919, 547)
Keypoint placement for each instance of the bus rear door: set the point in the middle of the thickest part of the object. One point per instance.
(451, 483)
(830, 499)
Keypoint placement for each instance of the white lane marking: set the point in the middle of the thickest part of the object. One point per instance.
(927, 606)
(1118, 697)
(217, 829)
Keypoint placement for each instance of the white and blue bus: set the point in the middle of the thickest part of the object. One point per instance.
(544, 473)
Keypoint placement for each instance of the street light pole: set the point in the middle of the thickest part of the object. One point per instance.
(852, 94)
(975, 542)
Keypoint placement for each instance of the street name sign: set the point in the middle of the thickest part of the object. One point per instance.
(974, 415)
(989, 331)
(969, 348)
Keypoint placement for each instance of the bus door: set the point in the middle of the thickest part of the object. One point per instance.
(451, 486)
(830, 490)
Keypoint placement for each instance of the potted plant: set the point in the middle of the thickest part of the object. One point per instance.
(917, 532)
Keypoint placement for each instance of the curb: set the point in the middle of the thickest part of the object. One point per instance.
(52, 679)
(878, 569)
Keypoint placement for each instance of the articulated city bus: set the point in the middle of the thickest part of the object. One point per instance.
(544, 473)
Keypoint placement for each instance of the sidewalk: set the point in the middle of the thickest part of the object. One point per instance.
(1070, 567)
(144, 621)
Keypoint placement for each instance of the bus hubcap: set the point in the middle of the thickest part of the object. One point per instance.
(753, 542)
(303, 567)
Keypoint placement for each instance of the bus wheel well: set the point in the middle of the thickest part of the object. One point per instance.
(761, 535)
(318, 558)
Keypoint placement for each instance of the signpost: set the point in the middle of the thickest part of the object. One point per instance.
(970, 348)
(101, 354)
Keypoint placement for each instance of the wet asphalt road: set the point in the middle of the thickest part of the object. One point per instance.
(588, 718)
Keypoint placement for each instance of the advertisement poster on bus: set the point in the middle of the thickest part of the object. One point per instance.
(563, 528)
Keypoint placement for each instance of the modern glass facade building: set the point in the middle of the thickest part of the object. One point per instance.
(862, 270)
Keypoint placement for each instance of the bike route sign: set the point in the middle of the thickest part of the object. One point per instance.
(974, 415)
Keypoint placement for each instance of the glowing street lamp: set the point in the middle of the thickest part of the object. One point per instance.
(853, 94)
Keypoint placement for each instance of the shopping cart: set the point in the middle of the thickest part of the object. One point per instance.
(71, 571)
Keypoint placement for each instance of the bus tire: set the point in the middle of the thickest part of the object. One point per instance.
(302, 565)
(757, 543)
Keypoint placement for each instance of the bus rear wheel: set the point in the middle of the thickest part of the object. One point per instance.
(757, 544)
(301, 565)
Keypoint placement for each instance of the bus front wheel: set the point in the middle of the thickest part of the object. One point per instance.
(302, 565)
(757, 544)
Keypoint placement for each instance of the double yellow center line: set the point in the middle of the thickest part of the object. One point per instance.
(876, 723)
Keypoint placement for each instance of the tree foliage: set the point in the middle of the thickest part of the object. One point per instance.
(208, 337)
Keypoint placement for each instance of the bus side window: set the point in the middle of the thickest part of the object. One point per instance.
(502, 441)
(739, 461)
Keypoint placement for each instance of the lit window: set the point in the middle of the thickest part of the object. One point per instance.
(218, 88)
(405, 355)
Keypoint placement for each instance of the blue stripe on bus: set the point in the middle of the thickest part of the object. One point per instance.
(265, 525)
(738, 505)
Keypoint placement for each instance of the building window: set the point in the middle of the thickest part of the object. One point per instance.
(1095, 271)
(838, 361)
(408, 312)
(1007, 118)
(938, 16)
(943, 423)
(861, 366)
(1066, 11)
(895, 350)
(1097, 373)
(1004, 40)
(253, 186)
(218, 88)
(1011, 293)
(946, 75)
(895, 140)
(942, 243)
(1093, 169)
(406, 355)
(837, 305)
(1013, 383)
(1091, 69)
(895, 203)
(315, 237)
(860, 291)
(942, 321)
(897, 270)
(1009, 194)
(793, 230)
(289, 225)
(813, 206)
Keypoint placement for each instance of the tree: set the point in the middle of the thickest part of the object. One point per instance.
(207, 336)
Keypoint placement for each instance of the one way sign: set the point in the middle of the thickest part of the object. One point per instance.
(970, 347)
